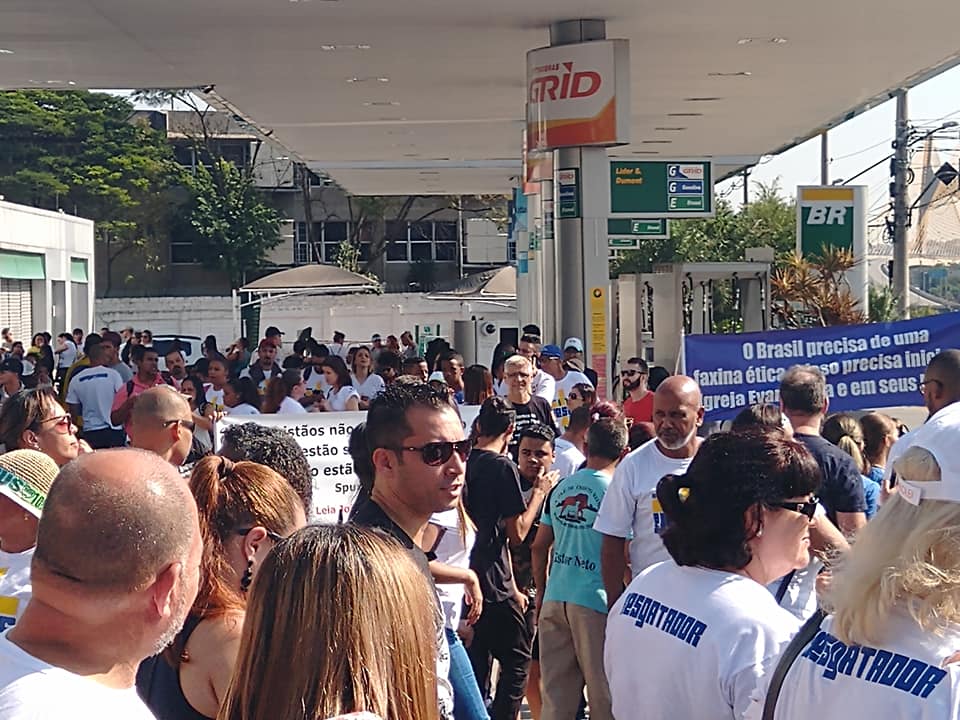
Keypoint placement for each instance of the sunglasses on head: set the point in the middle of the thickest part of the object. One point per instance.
(574, 396)
(437, 453)
(808, 508)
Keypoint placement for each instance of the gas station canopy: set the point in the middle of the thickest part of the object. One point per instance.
(427, 96)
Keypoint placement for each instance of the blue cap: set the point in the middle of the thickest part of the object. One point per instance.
(551, 351)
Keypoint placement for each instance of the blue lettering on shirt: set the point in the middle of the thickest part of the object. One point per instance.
(882, 666)
(647, 611)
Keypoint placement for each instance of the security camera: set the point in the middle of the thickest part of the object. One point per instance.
(488, 329)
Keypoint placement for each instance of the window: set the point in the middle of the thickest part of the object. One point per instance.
(183, 253)
(397, 236)
(301, 248)
(334, 233)
(446, 239)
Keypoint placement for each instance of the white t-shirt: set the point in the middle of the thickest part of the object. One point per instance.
(337, 401)
(369, 388)
(947, 417)
(15, 587)
(451, 550)
(68, 357)
(630, 506)
(316, 383)
(31, 689)
(900, 677)
(94, 388)
(567, 458)
(215, 398)
(562, 388)
(242, 409)
(289, 406)
(688, 642)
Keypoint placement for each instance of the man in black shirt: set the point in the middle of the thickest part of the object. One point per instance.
(419, 453)
(803, 399)
(496, 505)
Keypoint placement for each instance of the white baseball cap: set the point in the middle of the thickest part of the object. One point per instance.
(575, 343)
(930, 469)
(437, 376)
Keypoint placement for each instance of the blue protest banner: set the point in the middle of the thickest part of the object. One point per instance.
(867, 366)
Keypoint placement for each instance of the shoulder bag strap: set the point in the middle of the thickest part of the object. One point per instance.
(809, 629)
(784, 584)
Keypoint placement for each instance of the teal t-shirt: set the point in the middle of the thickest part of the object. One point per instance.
(574, 573)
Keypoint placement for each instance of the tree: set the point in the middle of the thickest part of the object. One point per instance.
(78, 151)
(233, 230)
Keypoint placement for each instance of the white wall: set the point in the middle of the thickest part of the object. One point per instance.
(200, 316)
(359, 316)
(59, 237)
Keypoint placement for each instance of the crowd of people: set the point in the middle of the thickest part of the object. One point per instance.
(592, 558)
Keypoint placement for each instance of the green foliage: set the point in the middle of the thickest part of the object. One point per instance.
(883, 304)
(233, 230)
(78, 151)
(768, 220)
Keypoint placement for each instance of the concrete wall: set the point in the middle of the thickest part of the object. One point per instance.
(58, 237)
(359, 316)
(199, 316)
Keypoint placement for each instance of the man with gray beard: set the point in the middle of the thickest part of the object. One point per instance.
(630, 506)
(115, 571)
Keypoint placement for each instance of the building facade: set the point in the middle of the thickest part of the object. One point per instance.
(46, 271)
(430, 245)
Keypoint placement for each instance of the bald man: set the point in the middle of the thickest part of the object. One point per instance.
(115, 571)
(161, 421)
(630, 505)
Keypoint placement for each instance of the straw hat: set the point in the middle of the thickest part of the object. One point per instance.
(26, 477)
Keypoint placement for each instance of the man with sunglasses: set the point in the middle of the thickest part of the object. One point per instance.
(419, 455)
(161, 421)
(639, 402)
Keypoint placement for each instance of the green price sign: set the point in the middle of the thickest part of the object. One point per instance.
(671, 188)
(658, 229)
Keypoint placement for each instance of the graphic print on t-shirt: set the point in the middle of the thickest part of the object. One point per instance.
(8, 607)
(572, 506)
(659, 517)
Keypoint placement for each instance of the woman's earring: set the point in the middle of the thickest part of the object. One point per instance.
(247, 577)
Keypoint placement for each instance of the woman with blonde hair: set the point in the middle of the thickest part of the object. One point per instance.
(845, 432)
(895, 608)
(244, 509)
(879, 434)
(356, 613)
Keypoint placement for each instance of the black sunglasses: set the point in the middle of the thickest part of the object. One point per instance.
(270, 534)
(437, 453)
(808, 508)
(188, 424)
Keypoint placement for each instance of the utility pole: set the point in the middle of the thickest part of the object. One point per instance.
(746, 187)
(824, 159)
(901, 163)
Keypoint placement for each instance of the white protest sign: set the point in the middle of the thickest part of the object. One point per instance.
(325, 439)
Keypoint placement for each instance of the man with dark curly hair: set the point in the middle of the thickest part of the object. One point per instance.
(274, 448)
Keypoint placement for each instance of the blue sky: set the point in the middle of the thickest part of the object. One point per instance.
(861, 142)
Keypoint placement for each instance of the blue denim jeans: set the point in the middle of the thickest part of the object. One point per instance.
(467, 701)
